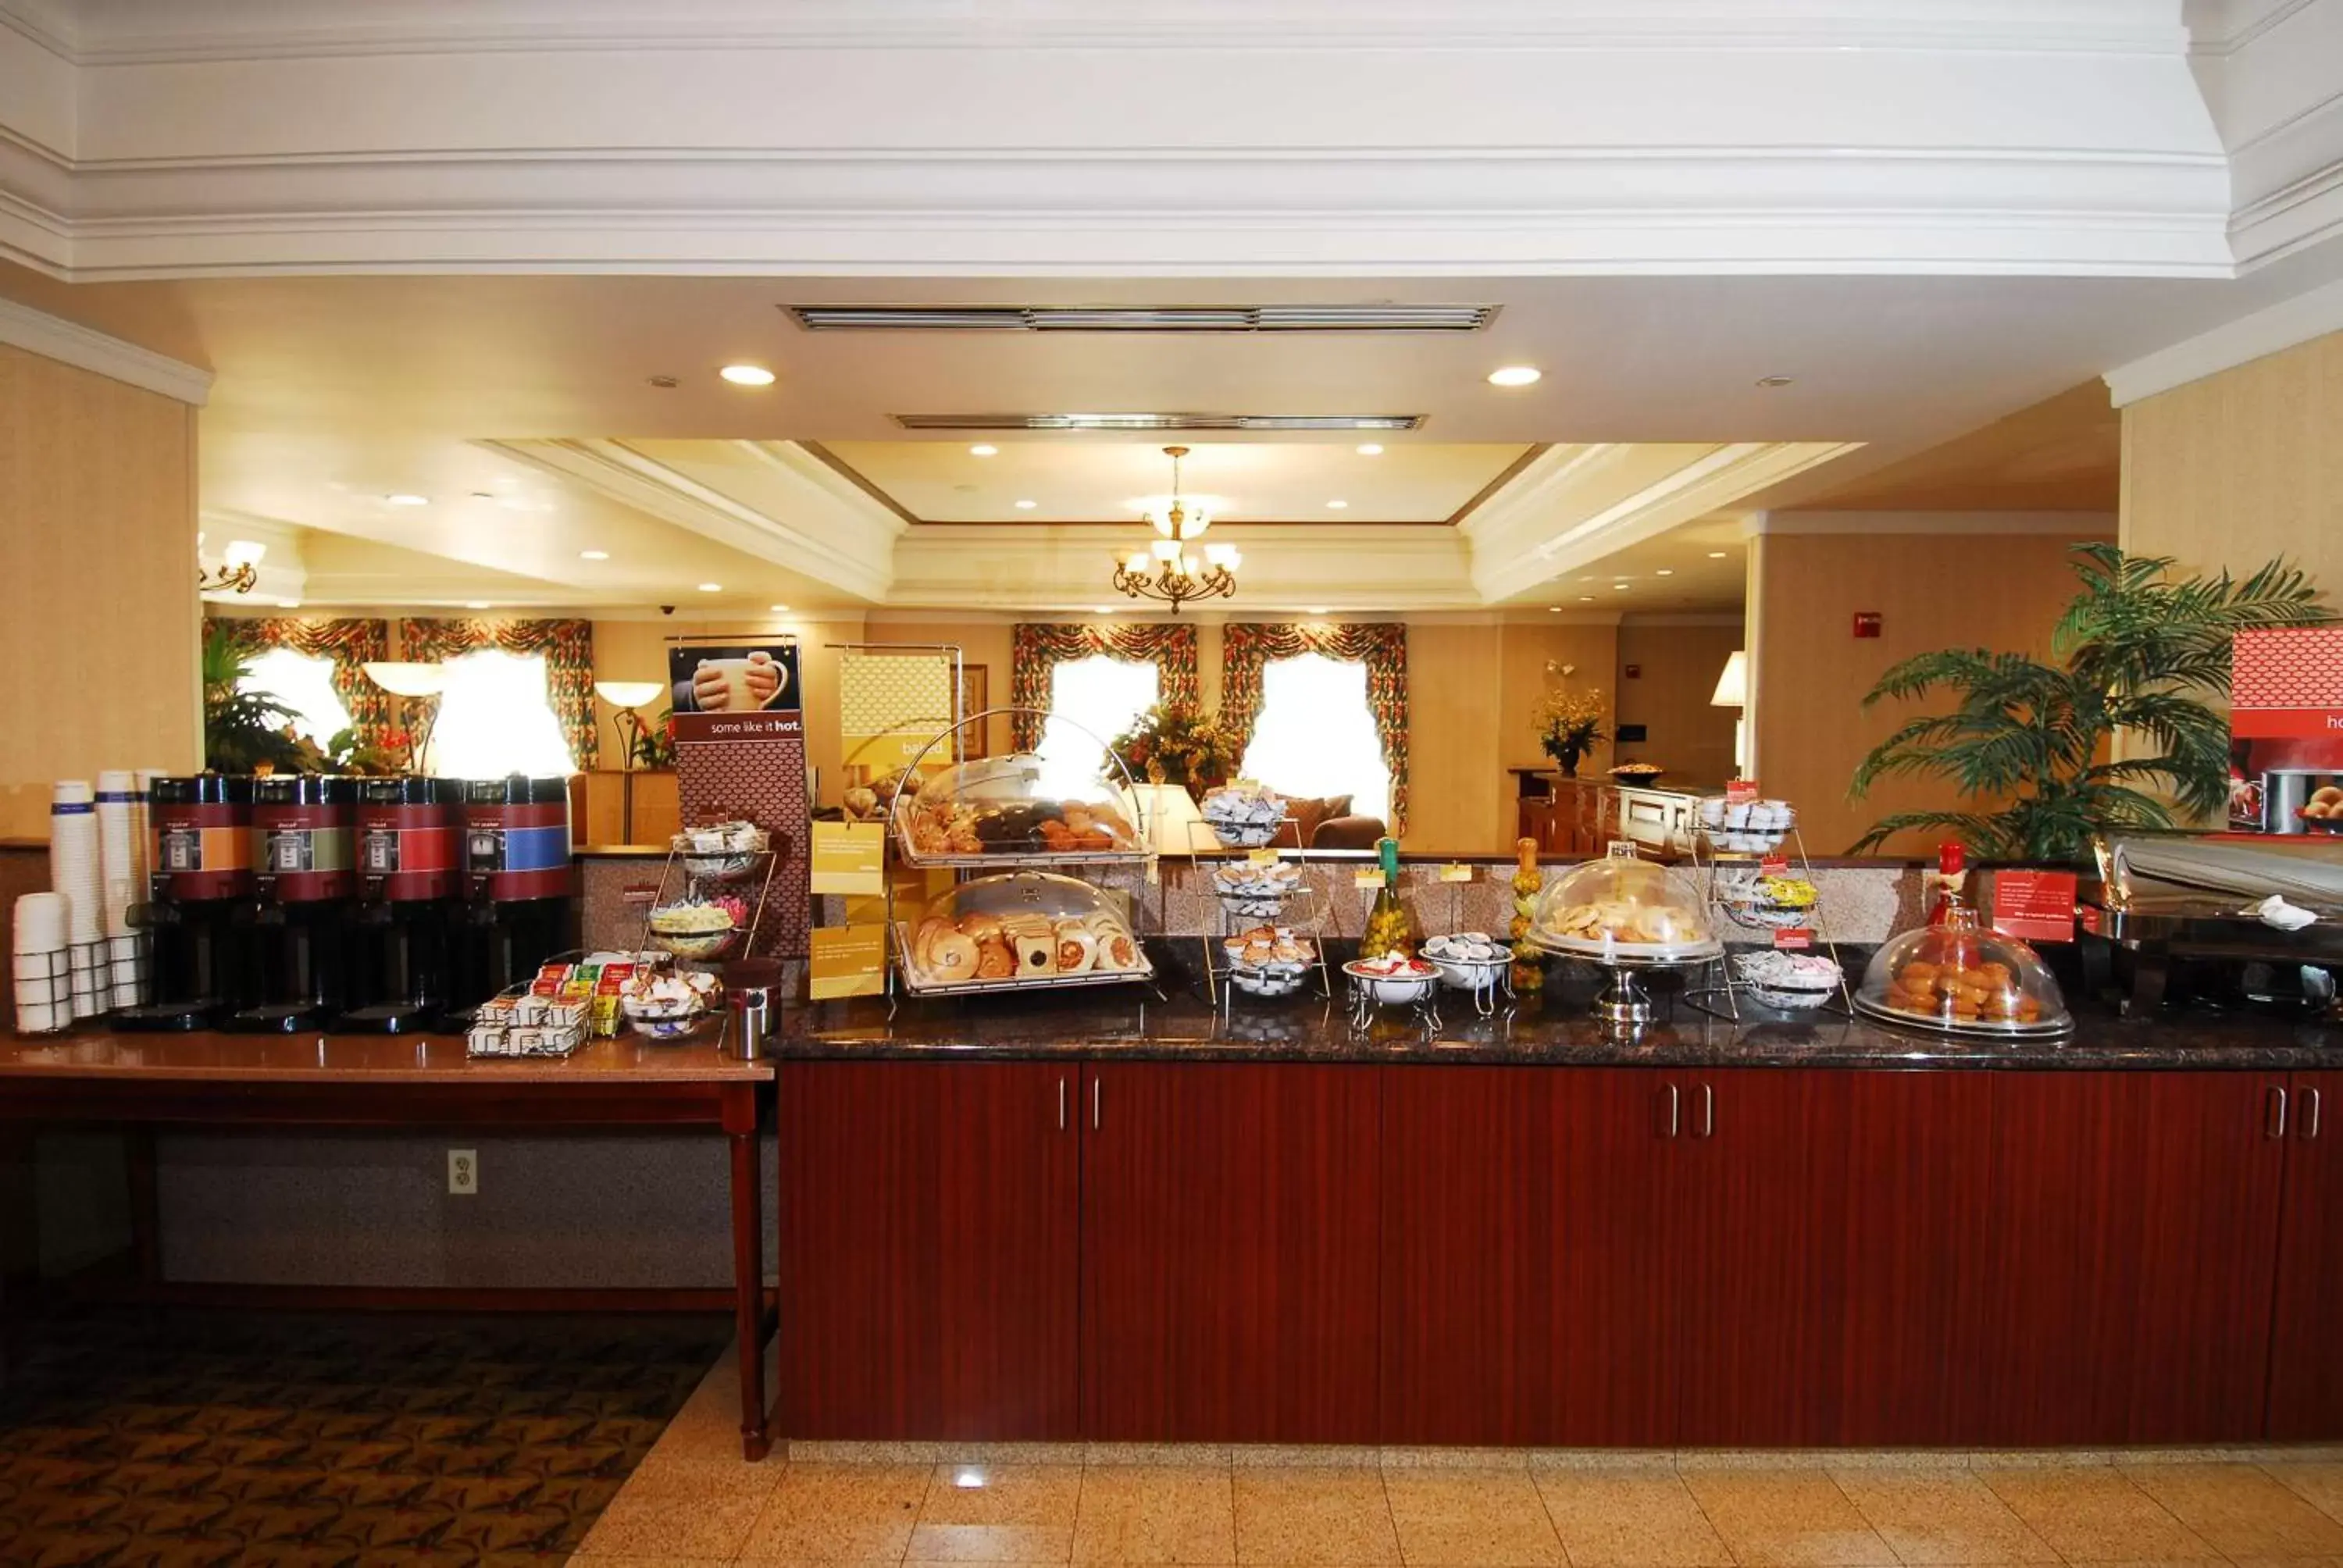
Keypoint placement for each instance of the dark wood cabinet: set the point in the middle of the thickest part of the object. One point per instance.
(1527, 1257)
(1830, 1231)
(1230, 1251)
(2305, 1401)
(2128, 1280)
(929, 1261)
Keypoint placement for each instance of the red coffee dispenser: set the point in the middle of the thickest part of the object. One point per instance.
(517, 886)
(411, 834)
(200, 905)
(305, 828)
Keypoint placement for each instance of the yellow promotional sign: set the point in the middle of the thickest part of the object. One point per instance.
(1455, 873)
(849, 857)
(848, 960)
(1265, 856)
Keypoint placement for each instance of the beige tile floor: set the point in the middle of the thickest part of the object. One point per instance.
(694, 1501)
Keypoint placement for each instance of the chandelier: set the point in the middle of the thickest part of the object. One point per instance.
(239, 567)
(1166, 572)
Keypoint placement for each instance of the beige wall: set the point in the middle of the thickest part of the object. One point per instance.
(1679, 665)
(2241, 466)
(101, 623)
(2000, 591)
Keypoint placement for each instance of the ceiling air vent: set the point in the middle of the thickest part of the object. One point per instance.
(1159, 421)
(1143, 319)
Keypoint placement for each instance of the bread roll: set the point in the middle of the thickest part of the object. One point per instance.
(994, 960)
(1035, 955)
(982, 927)
(1077, 948)
(952, 957)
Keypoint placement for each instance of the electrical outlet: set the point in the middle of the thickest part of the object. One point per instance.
(464, 1172)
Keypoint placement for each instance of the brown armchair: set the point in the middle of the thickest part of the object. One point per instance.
(1348, 833)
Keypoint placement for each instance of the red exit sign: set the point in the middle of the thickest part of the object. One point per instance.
(1866, 623)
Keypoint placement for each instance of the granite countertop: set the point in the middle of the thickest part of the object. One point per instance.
(1128, 1022)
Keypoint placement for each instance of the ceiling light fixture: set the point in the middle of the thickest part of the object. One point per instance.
(779, 609)
(1774, 380)
(711, 588)
(1370, 451)
(1164, 570)
(1515, 376)
(476, 604)
(1316, 609)
(664, 383)
(984, 449)
(288, 604)
(1716, 555)
(1665, 572)
(1338, 506)
(407, 498)
(1553, 609)
(1025, 506)
(747, 375)
(593, 554)
(239, 567)
(1587, 598)
(1619, 587)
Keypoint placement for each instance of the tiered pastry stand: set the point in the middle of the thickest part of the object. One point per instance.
(902, 978)
(1719, 870)
(758, 872)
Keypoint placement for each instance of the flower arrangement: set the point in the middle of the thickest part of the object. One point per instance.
(1178, 743)
(1570, 724)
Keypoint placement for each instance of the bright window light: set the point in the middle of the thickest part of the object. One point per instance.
(1316, 735)
(1102, 696)
(303, 684)
(495, 720)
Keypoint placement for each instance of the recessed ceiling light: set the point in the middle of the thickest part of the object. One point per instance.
(1370, 451)
(983, 450)
(1316, 609)
(747, 375)
(1515, 376)
(593, 554)
(1774, 380)
(1716, 555)
(1665, 572)
(778, 609)
(407, 498)
(1553, 609)
(1587, 598)
(476, 604)
(1619, 587)
(1337, 506)
(288, 604)
(1103, 610)
(1026, 505)
(711, 588)
(664, 383)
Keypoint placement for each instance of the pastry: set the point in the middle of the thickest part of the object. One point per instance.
(995, 960)
(1077, 948)
(981, 927)
(952, 957)
(1036, 954)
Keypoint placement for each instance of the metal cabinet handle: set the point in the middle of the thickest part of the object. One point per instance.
(1061, 1104)
(2310, 1115)
(1708, 1111)
(1094, 1104)
(1673, 1101)
(2274, 1123)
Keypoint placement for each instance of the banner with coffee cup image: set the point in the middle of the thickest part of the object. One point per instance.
(734, 690)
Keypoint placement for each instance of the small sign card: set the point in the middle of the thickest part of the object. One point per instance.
(1455, 873)
(849, 857)
(2034, 906)
(848, 960)
(1793, 939)
(1740, 791)
(1265, 855)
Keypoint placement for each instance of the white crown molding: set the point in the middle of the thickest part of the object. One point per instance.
(2280, 327)
(2080, 525)
(624, 473)
(54, 337)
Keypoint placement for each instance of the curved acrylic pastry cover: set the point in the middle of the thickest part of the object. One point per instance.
(1040, 892)
(1625, 907)
(999, 806)
(1963, 975)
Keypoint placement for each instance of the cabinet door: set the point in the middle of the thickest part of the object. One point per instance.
(2133, 1230)
(1526, 1245)
(1229, 1253)
(929, 1275)
(2307, 1354)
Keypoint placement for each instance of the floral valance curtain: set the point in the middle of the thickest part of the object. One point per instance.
(568, 650)
(1381, 645)
(1037, 648)
(349, 644)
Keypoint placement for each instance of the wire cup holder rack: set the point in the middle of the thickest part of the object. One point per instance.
(1729, 881)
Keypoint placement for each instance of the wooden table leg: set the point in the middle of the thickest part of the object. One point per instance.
(748, 1275)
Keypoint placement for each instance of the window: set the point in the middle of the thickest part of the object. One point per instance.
(495, 720)
(1316, 735)
(305, 685)
(1101, 696)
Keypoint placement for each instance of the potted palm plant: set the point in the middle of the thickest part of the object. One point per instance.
(2137, 650)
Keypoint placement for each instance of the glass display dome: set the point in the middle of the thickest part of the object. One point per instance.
(1626, 911)
(996, 808)
(1963, 977)
(1021, 930)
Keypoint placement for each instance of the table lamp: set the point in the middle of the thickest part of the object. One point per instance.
(415, 684)
(1733, 692)
(629, 697)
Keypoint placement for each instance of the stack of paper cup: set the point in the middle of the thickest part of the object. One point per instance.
(74, 871)
(38, 963)
(118, 865)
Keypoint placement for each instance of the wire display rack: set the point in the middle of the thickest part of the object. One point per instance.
(1730, 880)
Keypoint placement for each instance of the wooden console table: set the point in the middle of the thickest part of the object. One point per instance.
(142, 1081)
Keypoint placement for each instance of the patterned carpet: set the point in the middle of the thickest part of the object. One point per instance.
(311, 1439)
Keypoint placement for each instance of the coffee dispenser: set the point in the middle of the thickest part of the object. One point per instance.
(409, 857)
(305, 831)
(517, 885)
(200, 905)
